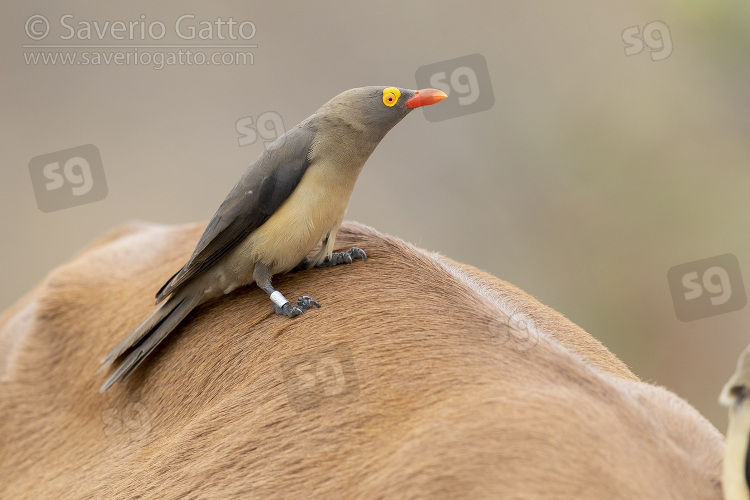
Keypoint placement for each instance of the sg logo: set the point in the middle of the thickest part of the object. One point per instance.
(320, 377)
(68, 178)
(514, 330)
(134, 420)
(465, 79)
(655, 36)
(250, 131)
(707, 287)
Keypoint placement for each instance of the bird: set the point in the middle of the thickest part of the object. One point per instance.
(291, 197)
(734, 395)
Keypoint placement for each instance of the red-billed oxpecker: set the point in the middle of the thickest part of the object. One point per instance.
(291, 197)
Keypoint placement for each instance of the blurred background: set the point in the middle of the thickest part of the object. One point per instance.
(586, 148)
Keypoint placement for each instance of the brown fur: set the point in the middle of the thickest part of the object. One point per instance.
(465, 387)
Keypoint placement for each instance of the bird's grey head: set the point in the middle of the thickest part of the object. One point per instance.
(377, 109)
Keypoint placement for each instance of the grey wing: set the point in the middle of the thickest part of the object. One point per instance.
(263, 187)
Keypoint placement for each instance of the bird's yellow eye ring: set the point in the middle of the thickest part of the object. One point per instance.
(390, 96)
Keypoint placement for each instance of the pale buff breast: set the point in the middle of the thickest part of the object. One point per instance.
(314, 208)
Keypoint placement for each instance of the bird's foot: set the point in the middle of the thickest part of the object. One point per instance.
(303, 304)
(344, 257)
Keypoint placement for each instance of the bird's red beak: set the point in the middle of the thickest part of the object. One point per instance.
(425, 97)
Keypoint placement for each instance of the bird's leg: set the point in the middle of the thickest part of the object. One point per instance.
(304, 264)
(325, 248)
(262, 276)
(327, 258)
(337, 258)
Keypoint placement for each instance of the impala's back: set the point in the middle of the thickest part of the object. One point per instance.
(418, 377)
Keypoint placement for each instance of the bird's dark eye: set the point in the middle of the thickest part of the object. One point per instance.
(390, 96)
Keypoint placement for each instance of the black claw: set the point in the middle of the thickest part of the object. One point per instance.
(355, 252)
(303, 304)
(344, 257)
(287, 310)
(306, 302)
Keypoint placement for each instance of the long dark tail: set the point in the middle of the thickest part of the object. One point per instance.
(149, 334)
